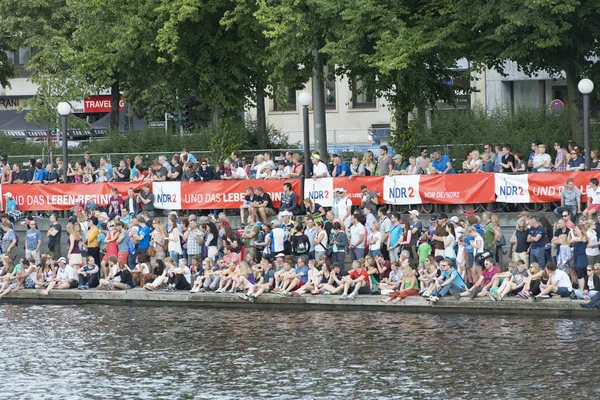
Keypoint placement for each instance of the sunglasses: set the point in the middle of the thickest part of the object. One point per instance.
(565, 216)
(589, 270)
(573, 153)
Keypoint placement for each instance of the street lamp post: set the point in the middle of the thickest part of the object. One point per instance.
(64, 109)
(586, 86)
(305, 99)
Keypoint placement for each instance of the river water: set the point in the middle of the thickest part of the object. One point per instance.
(102, 352)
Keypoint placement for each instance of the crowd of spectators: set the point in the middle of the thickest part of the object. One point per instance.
(299, 249)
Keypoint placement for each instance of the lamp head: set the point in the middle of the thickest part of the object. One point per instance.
(585, 86)
(63, 108)
(305, 99)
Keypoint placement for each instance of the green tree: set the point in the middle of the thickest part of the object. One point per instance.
(540, 35)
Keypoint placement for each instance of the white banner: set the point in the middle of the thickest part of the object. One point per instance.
(319, 190)
(167, 195)
(512, 188)
(402, 189)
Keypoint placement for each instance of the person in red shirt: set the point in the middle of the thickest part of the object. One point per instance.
(357, 282)
(485, 281)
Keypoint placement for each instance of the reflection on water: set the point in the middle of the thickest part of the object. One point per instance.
(133, 352)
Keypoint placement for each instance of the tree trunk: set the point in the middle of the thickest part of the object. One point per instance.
(573, 103)
(115, 93)
(261, 119)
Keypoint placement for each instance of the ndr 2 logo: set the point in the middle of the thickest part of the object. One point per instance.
(511, 190)
(401, 192)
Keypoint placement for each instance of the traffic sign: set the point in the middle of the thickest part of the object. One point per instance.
(557, 107)
(157, 124)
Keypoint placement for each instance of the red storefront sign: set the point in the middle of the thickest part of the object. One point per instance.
(100, 104)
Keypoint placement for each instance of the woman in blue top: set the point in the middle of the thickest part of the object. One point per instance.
(578, 240)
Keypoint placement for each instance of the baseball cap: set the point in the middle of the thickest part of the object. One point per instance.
(432, 219)
(8, 194)
(284, 213)
(454, 219)
(397, 156)
(341, 190)
(442, 216)
(414, 212)
(62, 259)
(335, 155)
(336, 264)
(316, 156)
(280, 255)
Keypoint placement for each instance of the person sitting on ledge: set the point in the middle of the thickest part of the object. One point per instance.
(162, 278)
(408, 287)
(120, 277)
(265, 283)
(558, 283)
(65, 278)
(357, 282)
(313, 281)
(484, 283)
(88, 274)
(294, 281)
(180, 278)
(512, 282)
(449, 281)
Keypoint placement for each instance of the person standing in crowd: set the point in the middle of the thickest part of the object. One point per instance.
(440, 164)
(289, 200)
(319, 168)
(576, 162)
(146, 199)
(508, 160)
(416, 228)
(423, 160)
(338, 243)
(570, 201)
(520, 244)
(249, 236)
(91, 237)
(340, 168)
(394, 236)
(542, 162)
(194, 237)
(54, 235)
(384, 162)
(560, 162)
(9, 241)
(537, 242)
(385, 225)
(490, 233)
(33, 241)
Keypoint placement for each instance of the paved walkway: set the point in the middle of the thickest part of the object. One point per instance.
(139, 297)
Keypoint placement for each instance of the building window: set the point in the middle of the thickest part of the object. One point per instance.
(289, 103)
(330, 95)
(24, 55)
(362, 96)
(11, 56)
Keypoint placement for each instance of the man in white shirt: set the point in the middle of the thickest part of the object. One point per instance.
(423, 160)
(559, 283)
(258, 165)
(357, 238)
(319, 168)
(542, 162)
(65, 278)
(593, 199)
(343, 207)
(385, 224)
(238, 172)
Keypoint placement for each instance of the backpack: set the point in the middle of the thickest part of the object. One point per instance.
(479, 229)
(260, 238)
(302, 247)
(375, 138)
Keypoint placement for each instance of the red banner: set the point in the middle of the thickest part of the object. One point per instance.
(40, 197)
(546, 187)
(230, 194)
(100, 104)
(457, 188)
(353, 185)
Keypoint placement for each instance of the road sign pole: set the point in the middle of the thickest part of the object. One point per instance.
(166, 122)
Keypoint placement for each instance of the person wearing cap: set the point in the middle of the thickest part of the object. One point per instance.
(319, 169)
(342, 208)
(399, 165)
(416, 228)
(11, 207)
(65, 278)
(340, 168)
(440, 164)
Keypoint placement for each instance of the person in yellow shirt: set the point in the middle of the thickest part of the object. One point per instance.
(92, 239)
